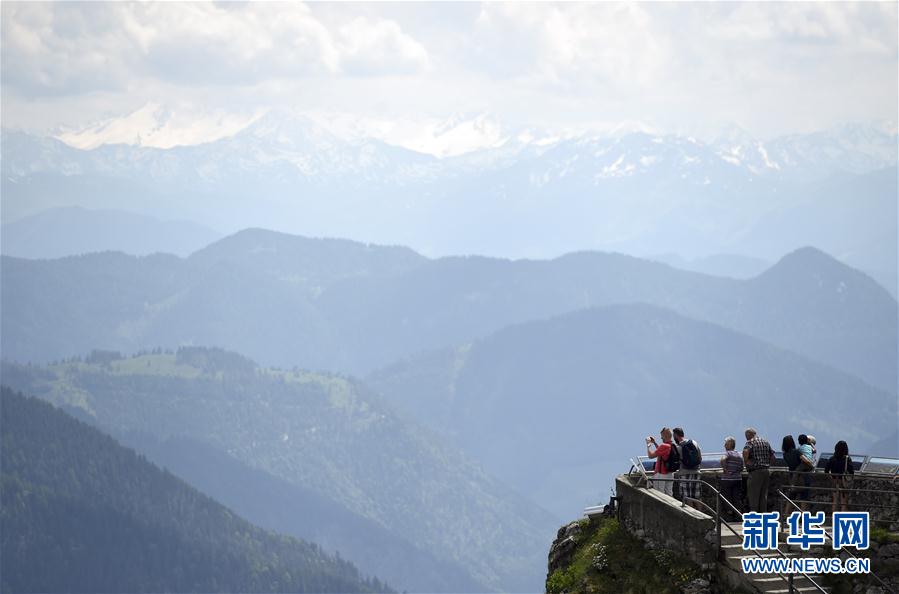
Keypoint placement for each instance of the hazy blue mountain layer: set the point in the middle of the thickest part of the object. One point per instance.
(329, 304)
(276, 504)
(567, 401)
(321, 433)
(81, 513)
(310, 263)
(637, 193)
(728, 265)
(70, 231)
(888, 446)
(856, 219)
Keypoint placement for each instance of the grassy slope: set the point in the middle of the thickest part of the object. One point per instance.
(608, 560)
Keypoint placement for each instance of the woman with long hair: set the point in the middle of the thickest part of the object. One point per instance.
(840, 469)
(791, 459)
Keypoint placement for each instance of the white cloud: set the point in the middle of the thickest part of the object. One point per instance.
(59, 49)
(69, 48)
(374, 47)
(769, 67)
(198, 43)
(611, 42)
(849, 26)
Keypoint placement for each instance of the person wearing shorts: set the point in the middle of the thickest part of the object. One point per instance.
(688, 476)
(661, 452)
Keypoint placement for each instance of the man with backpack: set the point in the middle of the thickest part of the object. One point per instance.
(690, 463)
(667, 461)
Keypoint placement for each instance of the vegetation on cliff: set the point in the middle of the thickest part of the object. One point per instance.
(599, 555)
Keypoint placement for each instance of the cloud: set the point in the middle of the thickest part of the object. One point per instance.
(755, 63)
(65, 48)
(612, 42)
(769, 67)
(850, 27)
(205, 43)
(370, 47)
(635, 44)
(71, 48)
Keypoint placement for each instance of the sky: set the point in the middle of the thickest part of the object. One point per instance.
(692, 68)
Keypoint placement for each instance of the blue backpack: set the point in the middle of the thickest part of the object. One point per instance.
(691, 457)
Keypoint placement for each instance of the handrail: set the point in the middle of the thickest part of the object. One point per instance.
(863, 461)
(719, 497)
(826, 533)
(717, 514)
(853, 489)
(639, 464)
(789, 579)
(850, 504)
(642, 470)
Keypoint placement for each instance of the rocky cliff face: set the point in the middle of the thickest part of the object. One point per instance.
(599, 555)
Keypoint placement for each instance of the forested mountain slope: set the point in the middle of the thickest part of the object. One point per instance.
(323, 433)
(81, 513)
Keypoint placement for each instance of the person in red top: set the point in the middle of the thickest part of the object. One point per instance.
(661, 452)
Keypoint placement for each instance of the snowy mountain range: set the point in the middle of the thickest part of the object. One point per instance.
(856, 148)
(474, 185)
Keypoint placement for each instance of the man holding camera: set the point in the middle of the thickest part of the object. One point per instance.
(667, 461)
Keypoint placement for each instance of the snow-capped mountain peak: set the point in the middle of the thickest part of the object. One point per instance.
(159, 126)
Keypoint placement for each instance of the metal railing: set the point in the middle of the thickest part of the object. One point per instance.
(830, 536)
(799, 488)
(867, 471)
(866, 464)
(716, 513)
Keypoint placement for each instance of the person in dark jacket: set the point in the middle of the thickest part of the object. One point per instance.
(840, 469)
(758, 457)
(791, 459)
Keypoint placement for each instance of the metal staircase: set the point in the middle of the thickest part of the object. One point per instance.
(732, 553)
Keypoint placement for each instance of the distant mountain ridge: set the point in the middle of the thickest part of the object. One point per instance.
(305, 260)
(728, 265)
(68, 231)
(352, 307)
(639, 192)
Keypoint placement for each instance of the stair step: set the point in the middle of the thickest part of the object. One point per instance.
(771, 587)
(750, 554)
(776, 578)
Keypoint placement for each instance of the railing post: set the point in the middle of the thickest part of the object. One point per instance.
(718, 515)
(791, 584)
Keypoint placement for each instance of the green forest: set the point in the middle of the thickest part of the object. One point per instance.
(81, 513)
(328, 435)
